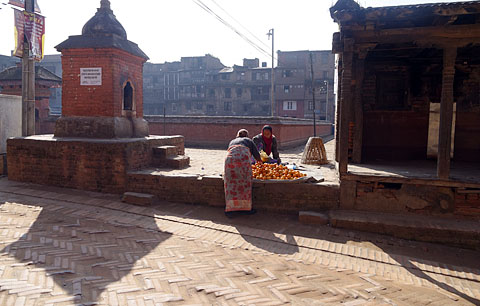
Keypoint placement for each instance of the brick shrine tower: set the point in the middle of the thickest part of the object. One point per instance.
(102, 94)
(101, 140)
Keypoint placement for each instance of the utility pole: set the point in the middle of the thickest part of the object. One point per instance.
(313, 95)
(271, 33)
(28, 83)
(326, 101)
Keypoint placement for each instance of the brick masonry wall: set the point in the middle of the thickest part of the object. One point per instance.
(400, 198)
(105, 100)
(467, 202)
(210, 191)
(218, 131)
(88, 165)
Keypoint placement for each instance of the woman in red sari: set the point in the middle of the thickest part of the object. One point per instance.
(238, 175)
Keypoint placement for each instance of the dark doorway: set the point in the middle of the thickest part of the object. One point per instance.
(128, 96)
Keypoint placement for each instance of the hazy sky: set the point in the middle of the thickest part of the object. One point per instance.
(169, 29)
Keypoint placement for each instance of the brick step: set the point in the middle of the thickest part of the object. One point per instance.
(164, 152)
(456, 232)
(178, 162)
(142, 199)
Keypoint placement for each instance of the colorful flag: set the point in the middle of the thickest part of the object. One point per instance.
(19, 32)
(32, 27)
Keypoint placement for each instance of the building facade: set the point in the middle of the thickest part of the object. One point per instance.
(203, 86)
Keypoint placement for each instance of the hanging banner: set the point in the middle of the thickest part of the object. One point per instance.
(35, 33)
(32, 27)
(21, 3)
(19, 32)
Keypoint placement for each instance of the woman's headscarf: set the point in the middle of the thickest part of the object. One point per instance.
(242, 133)
(268, 141)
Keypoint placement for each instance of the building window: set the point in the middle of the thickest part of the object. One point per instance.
(266, 75)
(211, 92)
(310, 105)
(225, 76)
(286, 88)
(210, 107)
(228, 92)
(128, 97)
(287, 73)
(227, 106)
(259, 90)
(289, 105)
(188, 105)
(174, 107)
(239, 92)
(325, 74)
(199, 106)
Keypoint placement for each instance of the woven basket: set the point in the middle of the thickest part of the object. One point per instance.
(314, 153)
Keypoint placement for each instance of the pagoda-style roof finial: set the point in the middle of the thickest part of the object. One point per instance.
(105, 4)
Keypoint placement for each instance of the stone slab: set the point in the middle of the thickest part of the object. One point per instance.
(136, 198)
(312, 217)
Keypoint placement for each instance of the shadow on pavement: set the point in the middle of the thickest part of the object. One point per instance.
(269, 242)
(84, 252)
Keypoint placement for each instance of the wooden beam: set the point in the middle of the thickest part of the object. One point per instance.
(446, 113)
(450, 35)
(346, 102)
(358, 109)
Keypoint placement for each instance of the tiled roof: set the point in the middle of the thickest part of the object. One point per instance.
(41, 74)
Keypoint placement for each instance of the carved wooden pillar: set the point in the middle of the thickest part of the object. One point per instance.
(346, 102)
(446, 113)
(358, 108)
(338, 109)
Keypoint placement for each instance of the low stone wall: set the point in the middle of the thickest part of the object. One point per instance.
(209, 191)
(88, 164)
(218, 131)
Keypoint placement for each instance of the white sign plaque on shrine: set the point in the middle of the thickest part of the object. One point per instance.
(90, 76)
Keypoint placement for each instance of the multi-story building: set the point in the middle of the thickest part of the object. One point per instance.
(293, 84)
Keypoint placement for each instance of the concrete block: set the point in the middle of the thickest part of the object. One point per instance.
(312, 217)
(135, 198)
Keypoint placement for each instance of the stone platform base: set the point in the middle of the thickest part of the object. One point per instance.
(88, 164)
(101, 127)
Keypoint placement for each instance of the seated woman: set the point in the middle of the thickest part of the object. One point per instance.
(267, 142)
(238, 175)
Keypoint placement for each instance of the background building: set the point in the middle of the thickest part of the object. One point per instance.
(293, 80)
(203, 86)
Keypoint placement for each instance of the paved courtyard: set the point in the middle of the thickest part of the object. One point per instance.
(211, 161)
(69, 247)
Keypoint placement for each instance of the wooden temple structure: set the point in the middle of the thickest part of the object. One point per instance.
(408, 119)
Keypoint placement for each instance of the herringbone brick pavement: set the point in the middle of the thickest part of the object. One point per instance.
(61, 248)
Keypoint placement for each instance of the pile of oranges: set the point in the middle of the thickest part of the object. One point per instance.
(274, 172)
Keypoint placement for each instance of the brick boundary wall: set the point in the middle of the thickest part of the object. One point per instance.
(218, 131)
(209, 191)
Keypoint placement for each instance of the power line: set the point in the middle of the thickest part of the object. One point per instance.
(223, 21)
(239, 23)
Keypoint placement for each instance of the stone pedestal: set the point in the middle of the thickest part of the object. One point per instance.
(101, 127)
(83, 163)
